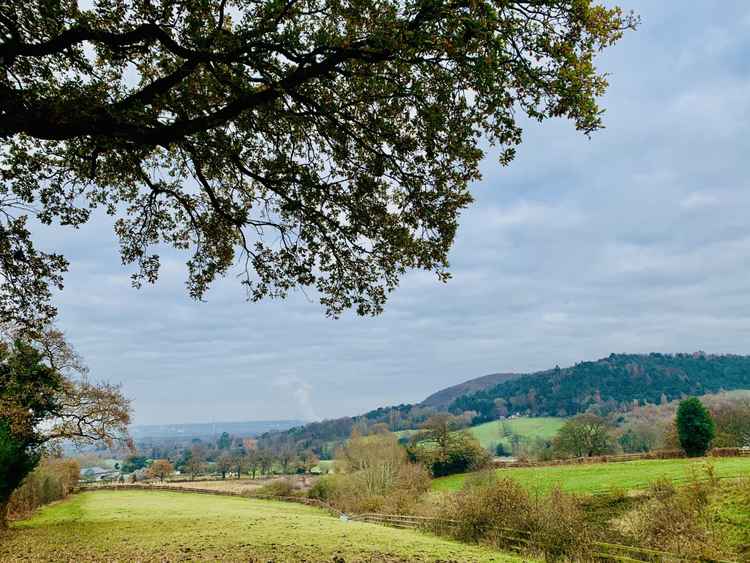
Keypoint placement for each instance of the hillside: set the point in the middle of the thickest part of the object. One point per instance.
(443, 398)
(616, 381)
(613, 382)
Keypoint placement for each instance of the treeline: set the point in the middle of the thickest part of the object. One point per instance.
(621, 380)
(324, 437)
(639, 430)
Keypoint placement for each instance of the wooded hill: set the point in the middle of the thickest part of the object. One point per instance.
(615, 382)
(612, 382)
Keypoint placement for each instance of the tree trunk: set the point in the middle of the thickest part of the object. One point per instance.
(4, 515)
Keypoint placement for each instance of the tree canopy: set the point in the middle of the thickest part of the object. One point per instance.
(46, 398)
(695, 427)
(317, 143)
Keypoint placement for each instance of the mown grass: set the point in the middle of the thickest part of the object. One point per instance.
(168, 526)
(493, 432)
(595, 477)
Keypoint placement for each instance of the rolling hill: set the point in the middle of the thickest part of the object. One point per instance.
(617, 381)
(612, 382)
(443, 398)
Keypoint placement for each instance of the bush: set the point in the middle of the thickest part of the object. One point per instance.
(323, 489)
(349, 492)
(460, 452)
(675, 520)
(278, 488)
(695, 427)
(495, 511)
(52, 480)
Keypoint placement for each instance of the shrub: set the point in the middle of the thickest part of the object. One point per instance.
(675, 520)
(324, 489)
(52, 480)
(558, 527)
(695, 427)
(278, 488)
(459, 452)
(495, 511)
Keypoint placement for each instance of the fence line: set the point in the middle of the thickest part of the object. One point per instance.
(517, 540)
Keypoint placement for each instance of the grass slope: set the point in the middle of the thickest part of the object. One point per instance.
(594, 477)
(490, 433)
(165, 526)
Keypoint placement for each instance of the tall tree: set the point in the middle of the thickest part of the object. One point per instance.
(585, 435)
(196, 461)
(224, 442)
(160, 469)
(43, 400)
(695, 427)
(318, 143)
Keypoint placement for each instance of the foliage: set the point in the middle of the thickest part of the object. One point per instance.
(695, 427)
(487, 510)
(16, 461)
(586, 435)
(160, 469)
(732, 423)
(43, 402)
(375, 475)
(164, 526)
(330, 144)
(676, 520)
(277, 488)
(52, 480)
(445, 451)
(133, 462)
(610, 383)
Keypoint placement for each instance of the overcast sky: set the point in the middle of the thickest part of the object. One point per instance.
(635, 240)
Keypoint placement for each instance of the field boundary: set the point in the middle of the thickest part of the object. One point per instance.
(170, 488)
(621, 458)
(517, 540)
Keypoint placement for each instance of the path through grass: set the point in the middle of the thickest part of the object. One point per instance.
(168, 526)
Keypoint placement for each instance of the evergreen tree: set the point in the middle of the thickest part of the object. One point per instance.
(695, 427)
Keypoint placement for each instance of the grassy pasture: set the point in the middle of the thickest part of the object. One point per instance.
(168, 526)
(589, 478)
(491, 432)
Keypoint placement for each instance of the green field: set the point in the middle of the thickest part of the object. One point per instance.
(324, 466)
(595, 477)
(165, 526)
(490, 433)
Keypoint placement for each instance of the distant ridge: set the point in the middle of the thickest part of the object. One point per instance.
(444, 397)
(207, 429)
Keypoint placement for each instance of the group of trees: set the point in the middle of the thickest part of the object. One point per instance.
(609, 384)
(444, 448)
(693, 426)
(46, 397)
(226, 456)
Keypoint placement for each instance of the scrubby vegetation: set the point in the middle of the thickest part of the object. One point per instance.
(53, 479)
